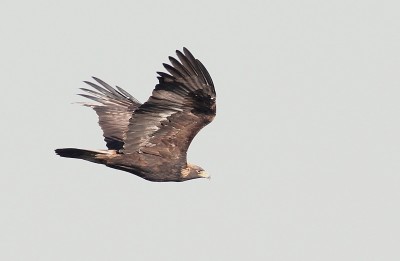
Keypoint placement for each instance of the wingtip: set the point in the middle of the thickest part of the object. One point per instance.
(180, 52)
(187, 52)
(166, 66)
(171, 59)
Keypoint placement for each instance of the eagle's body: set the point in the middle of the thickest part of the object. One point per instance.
(151, 139)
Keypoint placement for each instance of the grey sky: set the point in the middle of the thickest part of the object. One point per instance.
(304, 151)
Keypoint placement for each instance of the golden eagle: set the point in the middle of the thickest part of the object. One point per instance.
(151, 139)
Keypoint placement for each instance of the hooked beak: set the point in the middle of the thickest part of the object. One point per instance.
(204, 174)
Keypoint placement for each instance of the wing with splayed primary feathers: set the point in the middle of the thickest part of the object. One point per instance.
(180, 106)
(114, 108)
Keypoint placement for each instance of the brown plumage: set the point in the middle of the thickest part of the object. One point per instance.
(151, 139)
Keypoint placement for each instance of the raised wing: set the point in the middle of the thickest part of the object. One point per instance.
(180, 106)
(115, 107)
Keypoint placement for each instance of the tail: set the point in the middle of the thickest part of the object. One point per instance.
(96, 156)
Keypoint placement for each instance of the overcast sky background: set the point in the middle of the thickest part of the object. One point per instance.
(304, 151)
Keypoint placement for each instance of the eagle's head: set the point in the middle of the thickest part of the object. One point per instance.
(193, 172)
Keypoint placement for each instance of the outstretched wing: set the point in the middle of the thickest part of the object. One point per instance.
(115, 107)
(180, 106)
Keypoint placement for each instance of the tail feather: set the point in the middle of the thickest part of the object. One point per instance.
(89, 155)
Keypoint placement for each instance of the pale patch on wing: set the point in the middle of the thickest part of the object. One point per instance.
(144, 128)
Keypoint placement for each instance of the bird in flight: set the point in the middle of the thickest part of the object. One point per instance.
(151, 140)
